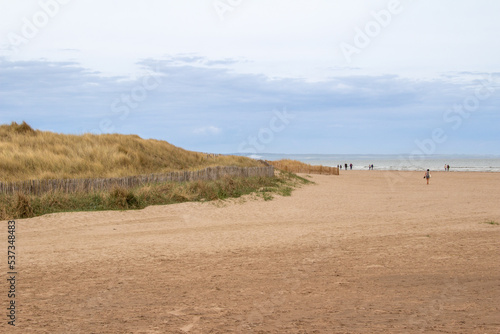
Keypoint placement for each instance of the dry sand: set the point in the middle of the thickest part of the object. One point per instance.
(363, 252)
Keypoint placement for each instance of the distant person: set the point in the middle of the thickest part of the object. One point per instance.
(345, 166)
(340, 166)
(350, 166)
(448, 167)
(427, 175)
(445, 165)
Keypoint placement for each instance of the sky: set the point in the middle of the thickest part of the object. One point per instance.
(259, 76)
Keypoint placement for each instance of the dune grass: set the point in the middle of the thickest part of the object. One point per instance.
(27, 154)
(300, 167)
(26, 206)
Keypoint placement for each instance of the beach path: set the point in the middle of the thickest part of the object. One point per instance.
(362, 252)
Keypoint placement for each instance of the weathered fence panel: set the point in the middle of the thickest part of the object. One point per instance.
(304, 168)
(38, 187)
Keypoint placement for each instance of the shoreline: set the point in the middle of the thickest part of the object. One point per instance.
(415, 171)
(396, 162)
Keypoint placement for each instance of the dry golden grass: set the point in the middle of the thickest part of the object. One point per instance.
(32, 154)
(295, 166)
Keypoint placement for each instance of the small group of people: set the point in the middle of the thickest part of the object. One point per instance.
(346, 166)
(427, 174)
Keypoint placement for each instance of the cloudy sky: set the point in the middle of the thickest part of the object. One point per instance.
(282, 76)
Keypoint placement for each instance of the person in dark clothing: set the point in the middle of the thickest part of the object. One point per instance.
(427, 175)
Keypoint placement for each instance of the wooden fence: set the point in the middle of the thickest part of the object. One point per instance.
(37, 187)
(297, 167)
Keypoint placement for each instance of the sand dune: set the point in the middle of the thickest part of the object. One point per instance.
(363, 252)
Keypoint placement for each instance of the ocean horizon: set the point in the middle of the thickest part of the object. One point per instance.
(436, 162)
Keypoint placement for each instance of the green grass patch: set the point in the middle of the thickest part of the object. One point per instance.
(491, 222)
(266, 196)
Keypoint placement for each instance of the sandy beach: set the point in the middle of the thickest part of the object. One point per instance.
(363, 252)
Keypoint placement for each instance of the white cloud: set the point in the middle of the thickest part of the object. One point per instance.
(287, 38)
(207, 130)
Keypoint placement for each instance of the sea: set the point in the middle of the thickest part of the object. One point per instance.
(458, 163)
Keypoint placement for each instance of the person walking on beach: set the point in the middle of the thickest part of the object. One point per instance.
(351, 166)
(448, 167)
(427, 175)
(345, 166)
